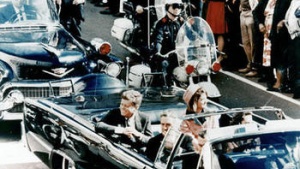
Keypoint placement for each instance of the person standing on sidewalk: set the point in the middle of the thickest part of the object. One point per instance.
(269, 17)
(215, 17)
(71, 14)
(292, 23)
(247, 32)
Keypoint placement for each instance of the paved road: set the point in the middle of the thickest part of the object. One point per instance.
(13, 153)
(15, 156)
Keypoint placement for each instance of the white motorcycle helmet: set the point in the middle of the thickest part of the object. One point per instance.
(175, 4)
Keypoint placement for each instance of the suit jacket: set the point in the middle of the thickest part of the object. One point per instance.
(153, 146)
(8, 13)
(279, 13)
(279, 39)
(114, 119)
(283, 160)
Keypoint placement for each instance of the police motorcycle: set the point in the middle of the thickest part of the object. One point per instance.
(195, 51)
(133, 31)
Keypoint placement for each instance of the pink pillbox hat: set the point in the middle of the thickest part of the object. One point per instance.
(190, 91)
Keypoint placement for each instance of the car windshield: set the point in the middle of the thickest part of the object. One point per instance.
(264, 151)
(167, 147)
(26, 12)
(52, 36)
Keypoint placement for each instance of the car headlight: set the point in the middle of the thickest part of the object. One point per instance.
(103, 47)
(14, 97)
(113, 69)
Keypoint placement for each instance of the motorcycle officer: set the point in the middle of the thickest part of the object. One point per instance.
(164, 36)
(71, 14)
(142, 24)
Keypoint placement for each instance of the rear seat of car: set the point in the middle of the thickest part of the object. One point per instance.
(250, 163)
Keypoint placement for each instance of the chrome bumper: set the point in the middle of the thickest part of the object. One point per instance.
(14, 98)
(7, 116)
(18, 91)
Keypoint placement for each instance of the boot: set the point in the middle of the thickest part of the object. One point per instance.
(297, 92)
(297, 89)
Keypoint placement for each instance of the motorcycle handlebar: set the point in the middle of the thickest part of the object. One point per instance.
(165, 55)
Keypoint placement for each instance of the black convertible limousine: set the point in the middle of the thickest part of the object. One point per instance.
(60, 130)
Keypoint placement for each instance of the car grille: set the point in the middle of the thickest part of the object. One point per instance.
(41, 92)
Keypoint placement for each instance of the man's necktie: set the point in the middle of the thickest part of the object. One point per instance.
(127, 122)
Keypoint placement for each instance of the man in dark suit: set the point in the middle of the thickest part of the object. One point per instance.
(289, 153)
(17, 11)
(291, 147)
(154, 143)
(133, 126)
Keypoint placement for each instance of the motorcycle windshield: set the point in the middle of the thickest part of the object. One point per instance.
(195, 43)
(160, 8)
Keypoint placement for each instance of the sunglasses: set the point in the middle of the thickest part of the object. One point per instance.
(177, 5)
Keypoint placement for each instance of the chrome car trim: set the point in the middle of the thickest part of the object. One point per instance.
(59, 74)
(13, 98)
(40, 140)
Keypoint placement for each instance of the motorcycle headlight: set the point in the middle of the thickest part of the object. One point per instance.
(203, 67)
(103, 47)
(180, 74)
(113, 69)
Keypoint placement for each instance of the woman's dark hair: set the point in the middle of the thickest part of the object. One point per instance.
(195, 97)
(239, 117)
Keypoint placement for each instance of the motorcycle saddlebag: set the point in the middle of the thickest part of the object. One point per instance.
(136, 73)
(121, 25)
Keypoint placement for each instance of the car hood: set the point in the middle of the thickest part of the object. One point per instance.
(42, 52)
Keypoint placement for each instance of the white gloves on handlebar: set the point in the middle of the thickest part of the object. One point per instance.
(139, 9)
(158, 54)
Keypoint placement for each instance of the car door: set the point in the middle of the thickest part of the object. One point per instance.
(40, 133)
